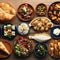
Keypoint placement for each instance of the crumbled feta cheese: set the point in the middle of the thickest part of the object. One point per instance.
(4, 26)
(9, 25)
(9, 30)
(5, 34)
(13, 33)
(13, 27)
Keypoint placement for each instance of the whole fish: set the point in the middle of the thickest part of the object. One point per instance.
(42, 37)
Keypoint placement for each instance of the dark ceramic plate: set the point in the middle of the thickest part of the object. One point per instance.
(53, 35)
(2, 33)
(35, 50)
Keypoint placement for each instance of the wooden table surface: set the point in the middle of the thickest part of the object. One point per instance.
(16, 21)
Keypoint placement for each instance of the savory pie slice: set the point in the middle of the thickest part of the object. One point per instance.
(3, 48)
(4, 15)
(7, 12)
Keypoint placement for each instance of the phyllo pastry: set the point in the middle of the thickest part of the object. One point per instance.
(3, 48)
(7, 12)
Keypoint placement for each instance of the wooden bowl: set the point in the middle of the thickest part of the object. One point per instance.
(9, 48)
(45, 10)
(23, 18)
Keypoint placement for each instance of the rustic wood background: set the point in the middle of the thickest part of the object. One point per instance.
(16, 21)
